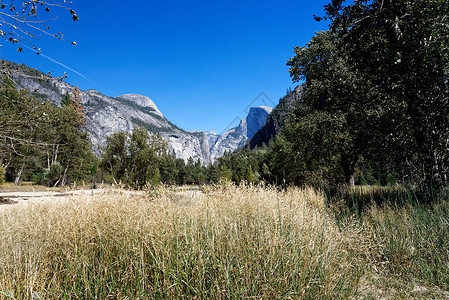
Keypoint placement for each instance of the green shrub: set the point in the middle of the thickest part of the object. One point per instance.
(2, 174)
(41, 177)
(55, 173)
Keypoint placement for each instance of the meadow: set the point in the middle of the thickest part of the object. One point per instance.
(223, 242)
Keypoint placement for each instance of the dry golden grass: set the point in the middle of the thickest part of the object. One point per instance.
(226, 242)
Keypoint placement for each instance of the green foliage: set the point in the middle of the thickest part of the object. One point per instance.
(225, 173)
(182, 171)
(242, 166)
(2, 174)
(40, 176)
(311, 142)
(151, 127)
(375, 103)
(114, 157)
(22, 115)
(168, 169)
(213, 173)
(37, 135)
(137, 159)
(65, 100)
(377, 82)
(249, 176)
(71, 145)
(55, 173)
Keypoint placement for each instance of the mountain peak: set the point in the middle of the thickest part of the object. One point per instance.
(263, 107)
(140, 100)
(256, 119)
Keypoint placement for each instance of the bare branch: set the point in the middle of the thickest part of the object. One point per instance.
(28, 142)
(20, 19)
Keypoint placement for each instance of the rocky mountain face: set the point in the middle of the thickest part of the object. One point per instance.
(276, 120)
(238, 136)
(107, 115)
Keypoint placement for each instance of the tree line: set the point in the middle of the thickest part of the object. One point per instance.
(375, 107)
(49, 145)
(138, 159)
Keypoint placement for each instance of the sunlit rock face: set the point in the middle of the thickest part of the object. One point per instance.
(256, 119)
(238, 136)
(142, 101)
(107, 115)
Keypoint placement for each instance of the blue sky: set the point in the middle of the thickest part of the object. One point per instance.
(201, 62)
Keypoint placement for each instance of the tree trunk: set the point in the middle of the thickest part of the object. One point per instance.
(64, 177)
(348, 166)
(55, 154)
(56, 184)
(349, 176)
(7, 164)
(18, 180)
(350, 181)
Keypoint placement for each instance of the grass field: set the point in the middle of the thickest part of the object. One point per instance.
(225, 242)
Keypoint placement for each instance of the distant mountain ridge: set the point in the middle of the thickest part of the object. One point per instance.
(107, 115)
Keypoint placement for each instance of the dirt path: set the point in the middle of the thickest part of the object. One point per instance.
(180, 194)
(23, 198)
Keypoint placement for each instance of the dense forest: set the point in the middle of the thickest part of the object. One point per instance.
(375, 107)
(374, 110)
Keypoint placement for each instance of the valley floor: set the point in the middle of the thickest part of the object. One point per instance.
(217, 242)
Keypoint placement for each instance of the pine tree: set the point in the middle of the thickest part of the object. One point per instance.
(66, 100)
(76, 105)
(249, 176)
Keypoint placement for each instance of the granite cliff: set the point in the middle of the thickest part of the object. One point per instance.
(107, 115)
(276, 120)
